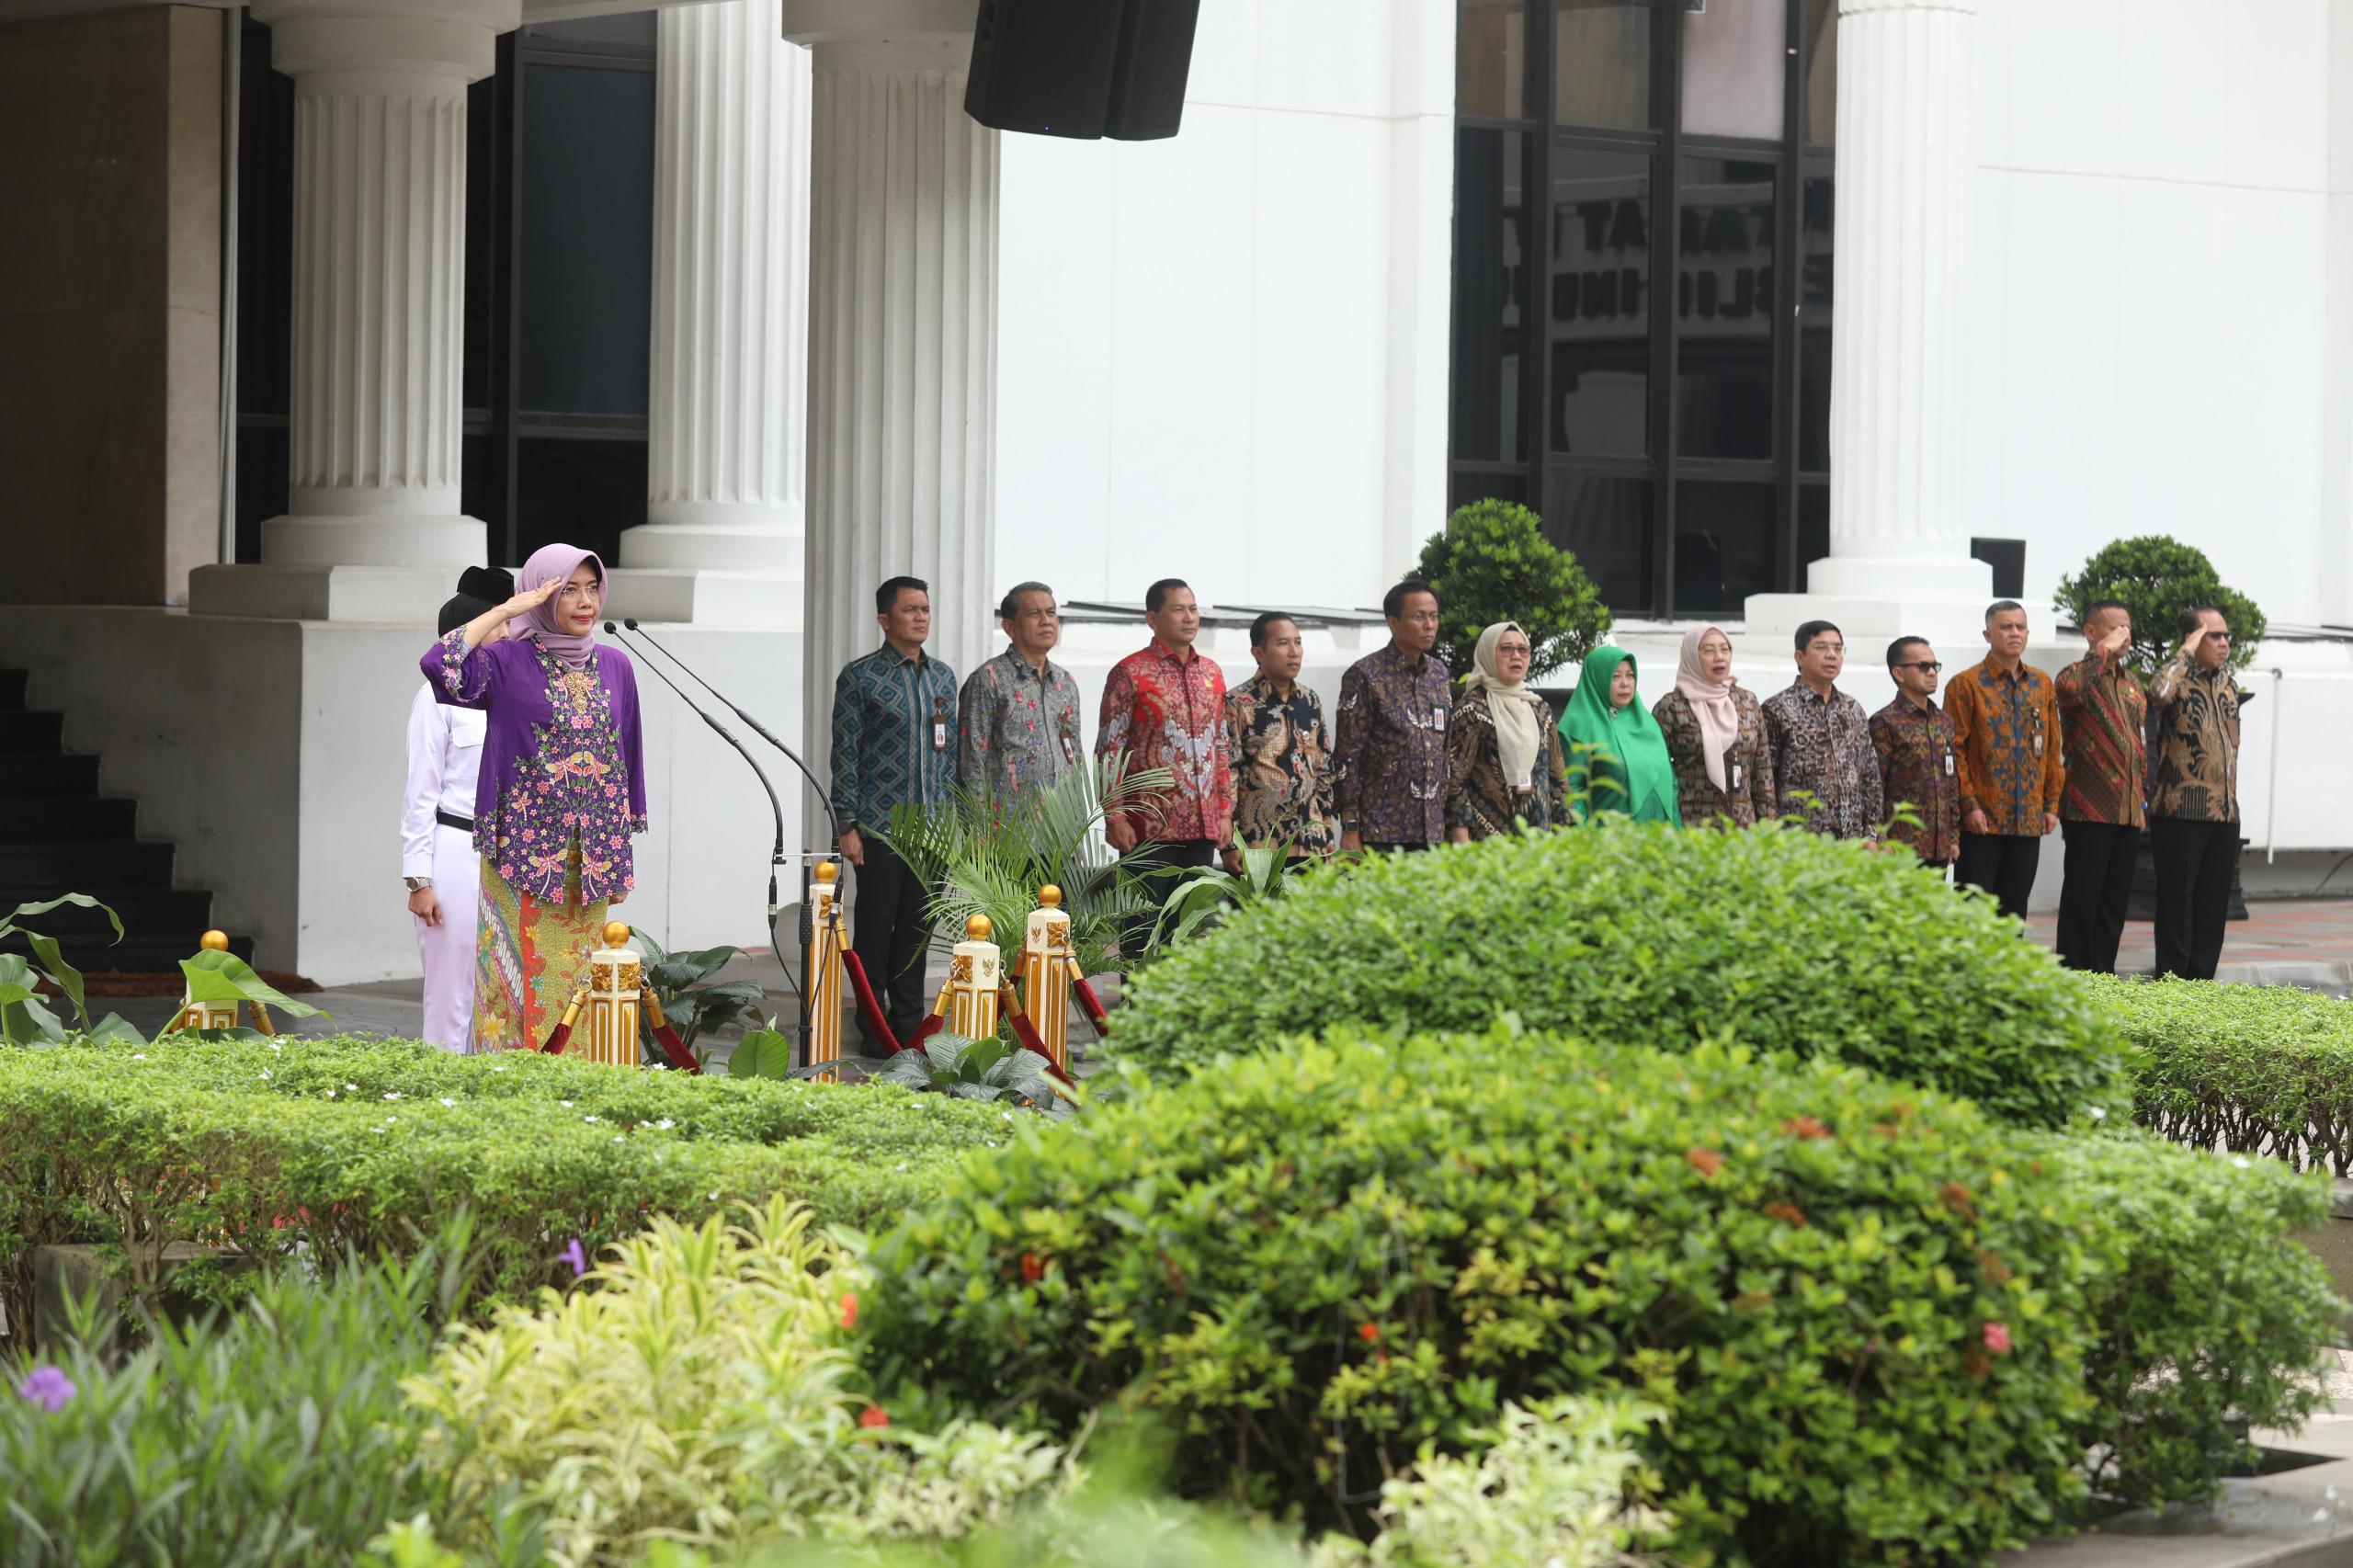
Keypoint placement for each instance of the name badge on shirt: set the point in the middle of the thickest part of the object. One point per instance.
(1948, 764)
(1735, 775)
(939, 735)
(2037, 742)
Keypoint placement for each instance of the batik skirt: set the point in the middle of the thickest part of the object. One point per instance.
(529, 956)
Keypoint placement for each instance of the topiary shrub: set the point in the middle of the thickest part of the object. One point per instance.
(2158, 578)
(1648, 936)
(315, 1147)
(2254, 1069)
(1881, 1327)
(1494, 563)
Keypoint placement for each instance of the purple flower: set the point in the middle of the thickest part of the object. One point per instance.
(576, 1256)
(47, 1387)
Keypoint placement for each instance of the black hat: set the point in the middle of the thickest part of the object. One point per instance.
(480, 589)
(492, 585)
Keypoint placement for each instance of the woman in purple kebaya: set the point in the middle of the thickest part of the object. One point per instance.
(563, 787)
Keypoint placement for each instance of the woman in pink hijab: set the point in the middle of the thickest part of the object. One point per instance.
(562, 789)
(1715, 736)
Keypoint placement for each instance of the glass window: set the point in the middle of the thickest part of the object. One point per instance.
(1813, 528)
(1735, 61)
(1821, 44)
(1723, 384)
(577, 492)
(1607, 522)
(1470, 486)
(1600, 302)
(1724, 544)
(1601, 64)
(1491, 283)
(1814, 231)
(1491, 59)
(587, 244)
(482, 184)
(630, 33)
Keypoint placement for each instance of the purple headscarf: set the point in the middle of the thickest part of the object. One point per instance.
(555, 564)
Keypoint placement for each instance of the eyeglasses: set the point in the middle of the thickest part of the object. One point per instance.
(1926, 666)
(2220, 636)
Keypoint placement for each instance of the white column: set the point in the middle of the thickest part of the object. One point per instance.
(379, 277)
(1907, 152)
(902, 315)
(722, 536)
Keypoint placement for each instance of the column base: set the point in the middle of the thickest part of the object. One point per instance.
(406, 595)
(716, 537)
(766, 601)
(1942, 598)
(375, 538)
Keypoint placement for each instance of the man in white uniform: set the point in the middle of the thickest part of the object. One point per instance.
(438, 860)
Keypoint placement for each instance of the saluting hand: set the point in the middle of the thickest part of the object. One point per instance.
(2113, 643)
(530, 599)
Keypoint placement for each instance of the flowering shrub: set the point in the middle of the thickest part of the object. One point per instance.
(1784, 942)
(1878, 1326)
(316, 1146)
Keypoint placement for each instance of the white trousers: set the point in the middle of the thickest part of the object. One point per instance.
(448, 949)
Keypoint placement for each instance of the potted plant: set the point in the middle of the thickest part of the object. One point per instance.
(1494, 563)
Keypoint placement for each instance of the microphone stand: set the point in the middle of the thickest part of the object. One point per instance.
(808, 982)
(776, 855)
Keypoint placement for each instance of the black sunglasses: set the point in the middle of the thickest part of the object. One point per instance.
(1931, 666)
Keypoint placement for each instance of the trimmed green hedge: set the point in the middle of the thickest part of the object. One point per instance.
(2255, 1069)
(1882, 1328)
(324, 1145)
(1782, 941)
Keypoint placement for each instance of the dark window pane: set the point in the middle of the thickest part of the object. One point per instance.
(265, 237)
(632, 33)
(1814, 319)
(587, 239)
(1724, 544)
(1822, 72)
(1735, 61)
(576, 492)
(262, 455)
(1607, 522)
(1491, 269)
(482, 485)
(1491, 59)
(1813, 528)
(1600, 303)
(484, 179)
(1464, 489)
(1601, 64)
(1724, 306)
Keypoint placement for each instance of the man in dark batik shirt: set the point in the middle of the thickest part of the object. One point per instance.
(1916, 769)
(2194, 796)
(1826, 770)
(1390, 765)
(1282, 754)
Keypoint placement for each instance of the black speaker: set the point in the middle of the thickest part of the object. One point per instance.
(1043, 66)
(1155, 55)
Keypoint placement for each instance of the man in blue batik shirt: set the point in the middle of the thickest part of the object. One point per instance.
(894, 744)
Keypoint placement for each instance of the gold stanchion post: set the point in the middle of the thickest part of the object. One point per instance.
(975, 968)
(822, 975)
(1047, 964)
(608, 1030)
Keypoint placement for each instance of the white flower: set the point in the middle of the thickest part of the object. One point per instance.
(666, 1124)
(139, 1056)
(274, 1046)
(618, 1139)
(2241, 1160)
(446, 1100)
(265, 1072)
(498, 1067)
(351, 1089)
(329, 1094)
(587, 1118)
(565, 1104)
(2099, 1113)
(390, 1120)
(391, 1094)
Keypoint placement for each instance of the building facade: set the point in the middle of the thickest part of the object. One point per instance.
(1768, 307)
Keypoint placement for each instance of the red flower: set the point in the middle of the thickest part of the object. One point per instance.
(1805, 1127)
(849, 1309)
(1956, 1198)
(1789, 1214)
(874, 1416)
(1033, 1269)
(1997, 1338)
(1367, 1332)
(1706, 1160)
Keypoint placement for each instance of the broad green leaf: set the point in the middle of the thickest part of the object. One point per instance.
(79, 901)
(113, 1029)
(224, 977)
(67, 978)
(762, 1053)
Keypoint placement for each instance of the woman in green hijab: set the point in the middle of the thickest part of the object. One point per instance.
(1617, 759)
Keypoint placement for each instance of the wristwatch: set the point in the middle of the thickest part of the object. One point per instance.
(416, 884)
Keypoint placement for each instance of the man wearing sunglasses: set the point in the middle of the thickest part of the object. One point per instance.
(2194, 795)
(2103, 718)
(1917, 774)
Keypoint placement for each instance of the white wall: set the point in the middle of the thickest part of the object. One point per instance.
(2153, 269)
(2336, 492)
(1224, 355)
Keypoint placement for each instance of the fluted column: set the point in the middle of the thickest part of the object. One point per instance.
(1907, 152)
(378, 281)
(902, 339)
(730, 295)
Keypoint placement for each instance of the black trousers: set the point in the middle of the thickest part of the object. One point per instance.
(2092, 900)
(2003, 865)
(2194, 861)
(891, 938)
(1173, 855)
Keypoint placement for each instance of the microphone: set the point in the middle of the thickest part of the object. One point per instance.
(757, 728)
(776, 856)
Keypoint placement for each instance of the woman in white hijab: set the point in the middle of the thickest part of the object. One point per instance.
(1503, 760)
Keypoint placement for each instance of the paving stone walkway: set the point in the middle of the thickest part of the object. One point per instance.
(2306, 942)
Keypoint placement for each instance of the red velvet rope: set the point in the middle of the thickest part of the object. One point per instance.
(1027, 1033)
(869, 1011)
(675, 1048)
(1093, 1008)
(558, 1038)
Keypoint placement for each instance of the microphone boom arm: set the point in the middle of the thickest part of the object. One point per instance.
(757, 728)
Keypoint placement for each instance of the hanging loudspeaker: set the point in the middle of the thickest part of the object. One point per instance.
(1154, 57)
(1042, 66)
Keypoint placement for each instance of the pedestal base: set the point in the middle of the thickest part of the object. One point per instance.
(765, 601)
(407, 595)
